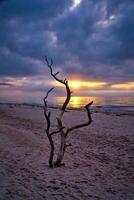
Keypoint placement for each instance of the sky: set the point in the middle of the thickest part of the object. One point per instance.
(91, 43)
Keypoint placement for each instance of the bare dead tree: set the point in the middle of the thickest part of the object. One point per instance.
(63, 133)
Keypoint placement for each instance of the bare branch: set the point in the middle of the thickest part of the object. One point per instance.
(65, 82)
(56, 73)
(55, 132)
(63, 133)
(51, 70)
(67, 97)
(47, 93)
(49, 135)
(83, 124)
(47, 116)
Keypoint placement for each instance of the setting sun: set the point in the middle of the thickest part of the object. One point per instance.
(74, 84)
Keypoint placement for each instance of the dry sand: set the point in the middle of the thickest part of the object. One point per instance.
(99, 164)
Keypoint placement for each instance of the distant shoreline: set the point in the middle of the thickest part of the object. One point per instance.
(106, 109)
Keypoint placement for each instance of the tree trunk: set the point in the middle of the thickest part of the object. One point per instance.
(61, 151)
(51, 152)
(63, 134)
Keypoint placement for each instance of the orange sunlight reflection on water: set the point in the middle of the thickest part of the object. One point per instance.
(79, 101)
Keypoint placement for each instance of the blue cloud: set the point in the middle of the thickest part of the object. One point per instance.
(94, 41)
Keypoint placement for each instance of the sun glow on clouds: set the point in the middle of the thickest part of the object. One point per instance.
(75, 4)
(37, 86)
(107, 21)
(81, 84)
(99, 87)
(88, 84)
(123, 86)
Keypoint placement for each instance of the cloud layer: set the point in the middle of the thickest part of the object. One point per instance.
(93, 40)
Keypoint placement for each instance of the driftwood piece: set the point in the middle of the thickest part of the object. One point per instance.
(63, 134)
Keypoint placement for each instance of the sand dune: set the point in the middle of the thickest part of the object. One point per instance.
(99, 164)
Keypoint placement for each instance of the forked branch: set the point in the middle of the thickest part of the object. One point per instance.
(63, 134)
(47, 115)
(83, 124)
(64, 82)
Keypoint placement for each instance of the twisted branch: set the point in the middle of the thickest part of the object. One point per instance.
(60, 130)
(64, 82)
(49, 135)
(83, 124)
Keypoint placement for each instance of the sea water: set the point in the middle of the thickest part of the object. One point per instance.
(124, 103)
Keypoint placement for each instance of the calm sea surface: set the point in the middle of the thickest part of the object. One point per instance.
(78, 101)
(114, 104)
(110, 102)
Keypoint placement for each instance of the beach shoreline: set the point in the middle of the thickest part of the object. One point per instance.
(98, 162)
(106, 109)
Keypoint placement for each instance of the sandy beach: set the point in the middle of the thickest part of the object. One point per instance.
(99, 162)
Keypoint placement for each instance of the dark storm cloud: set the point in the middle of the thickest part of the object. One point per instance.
(94, 40)
(33, 9)
(1, 1)
(12, 64)
(100, 35)
(6, 84)
(25, 34)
